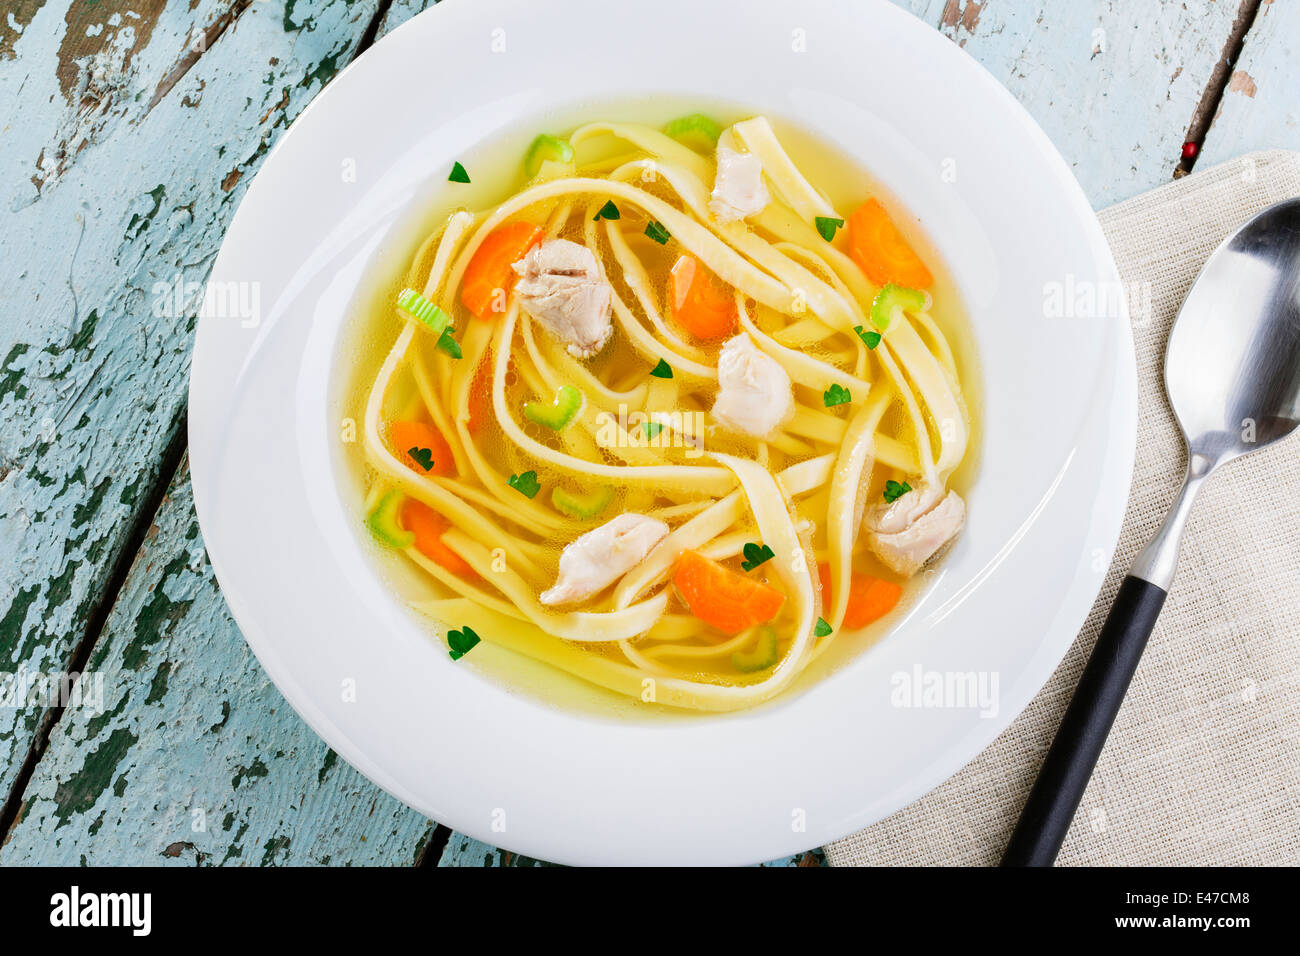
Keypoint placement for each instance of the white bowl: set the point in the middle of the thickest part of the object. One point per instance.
(571, 786)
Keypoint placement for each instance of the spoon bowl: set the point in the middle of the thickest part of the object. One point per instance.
(1232, 365)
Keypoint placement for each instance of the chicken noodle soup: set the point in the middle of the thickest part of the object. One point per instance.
(665, 417)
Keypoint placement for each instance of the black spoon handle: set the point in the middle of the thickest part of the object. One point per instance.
(1064, 775)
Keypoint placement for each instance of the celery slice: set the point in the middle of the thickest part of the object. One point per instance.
(762, 657)
(891, 296)
(383, 522)
(582, 507)
(547, 148)
(421, 309)
(696, 131)
(562, 410)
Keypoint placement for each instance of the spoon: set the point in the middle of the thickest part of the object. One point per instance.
(1232, 373)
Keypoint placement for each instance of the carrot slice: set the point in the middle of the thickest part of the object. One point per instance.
(702, 305)
(726, 600)
(428, 527)
(880, 250)
(869, 598)
(488, 277)
(412, 439)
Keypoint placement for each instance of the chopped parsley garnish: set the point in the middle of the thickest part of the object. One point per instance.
(421, 456)
(652, 429)
(658, 232)
(662, 370)
(756, 554)
(461, 642)
(827, 226)
(822, 628)
(871, 339)
(458, 174)
(607, 211)
(449, 345)
(836, 395)
(526, 484)
(895, 490)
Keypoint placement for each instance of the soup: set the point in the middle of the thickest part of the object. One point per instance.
(667, 414)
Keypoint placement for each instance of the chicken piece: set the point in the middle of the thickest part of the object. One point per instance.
(738, 187)
(904, 510)
(911, 530)
(598, 558)
(754, 394)
(560, 286)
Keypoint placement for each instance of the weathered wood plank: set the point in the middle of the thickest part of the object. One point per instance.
(122, 166)
(1260, 108)
(70, 76)
(182, 751)
(1113, 84)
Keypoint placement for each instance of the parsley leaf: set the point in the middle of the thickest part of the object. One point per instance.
(421, 456)
(449, 345)
(607, 211)
(871, 339)
(827, 225)
(461, 642)
(822, 628)
(652, 429)
(895, 490)
(526, 484)
(662, 370)
(836, 395)
(658, 232)
(458, 174)
(755, 555)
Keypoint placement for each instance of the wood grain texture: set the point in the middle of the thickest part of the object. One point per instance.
(184, 753)
(1114, 83)
(121, 168)
(1261, 104)
(170, 143)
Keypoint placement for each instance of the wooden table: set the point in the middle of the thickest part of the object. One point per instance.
(130, 132)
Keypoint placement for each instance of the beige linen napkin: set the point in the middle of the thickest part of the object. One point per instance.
(1203, 763)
